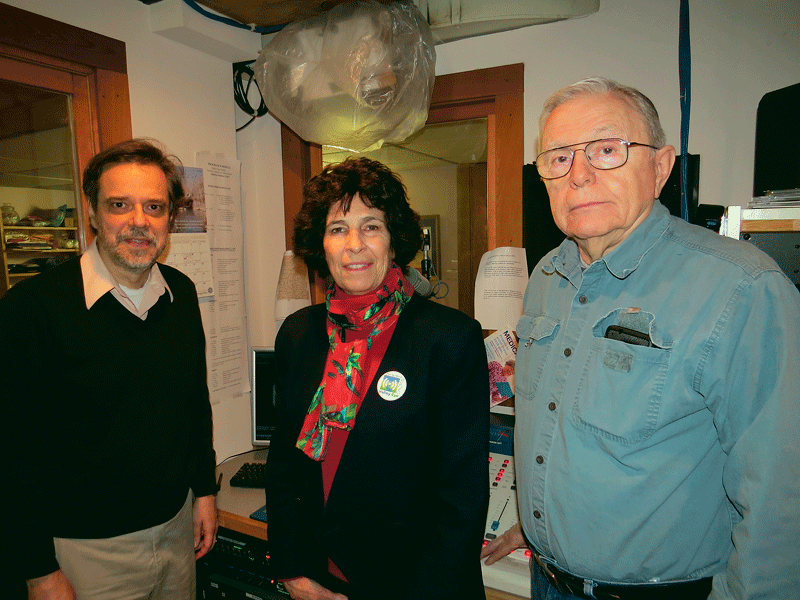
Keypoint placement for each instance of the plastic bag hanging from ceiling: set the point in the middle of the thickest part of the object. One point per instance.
(354, 77)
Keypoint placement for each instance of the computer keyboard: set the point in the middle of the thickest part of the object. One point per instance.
(250, 475)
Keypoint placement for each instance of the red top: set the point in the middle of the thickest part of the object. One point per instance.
(338, 437)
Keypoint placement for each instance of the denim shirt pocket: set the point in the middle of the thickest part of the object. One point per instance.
(621, 388)
(536, 335)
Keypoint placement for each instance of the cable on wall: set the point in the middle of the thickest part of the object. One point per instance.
(685, 72)
(242, 71)
(232, 22)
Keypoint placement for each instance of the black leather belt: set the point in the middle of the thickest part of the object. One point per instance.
(699, 589)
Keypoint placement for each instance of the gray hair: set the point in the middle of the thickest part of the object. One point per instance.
(598, 86)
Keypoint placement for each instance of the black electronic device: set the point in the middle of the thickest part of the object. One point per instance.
(511, 573)
(250, 475)
(777, 129)
(782, 246)
(628, 336)
(540, 234)
(237, 568)
(263, 395)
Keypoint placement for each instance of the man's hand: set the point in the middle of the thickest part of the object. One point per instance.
(54, 586)
(204, 517)
(504, 545)
(304, 588)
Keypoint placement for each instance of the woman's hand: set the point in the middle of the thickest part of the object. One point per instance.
(504, 545)
(304, 588)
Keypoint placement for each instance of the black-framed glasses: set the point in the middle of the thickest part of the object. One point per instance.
(605, 154)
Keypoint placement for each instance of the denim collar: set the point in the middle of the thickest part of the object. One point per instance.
(625, 258)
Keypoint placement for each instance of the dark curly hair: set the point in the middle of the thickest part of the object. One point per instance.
(378, 187)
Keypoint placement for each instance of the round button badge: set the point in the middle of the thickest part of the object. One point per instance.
(391, 385)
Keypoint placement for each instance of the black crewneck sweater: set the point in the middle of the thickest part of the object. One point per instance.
(107, 416)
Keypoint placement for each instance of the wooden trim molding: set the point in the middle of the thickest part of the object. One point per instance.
(36, 33)
(498, 94)
(770, 225)
(301, 161)
(35, 39)
(298, 156)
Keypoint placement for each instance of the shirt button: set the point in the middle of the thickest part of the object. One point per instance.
(540, 459)
(567, 352)
(552, 406)
(583, 299)
(537, 514)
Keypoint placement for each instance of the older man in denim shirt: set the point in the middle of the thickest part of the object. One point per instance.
(658, 382)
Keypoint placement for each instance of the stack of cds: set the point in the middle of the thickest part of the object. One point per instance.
(779, 199)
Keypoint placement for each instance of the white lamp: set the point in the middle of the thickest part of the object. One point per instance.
(293, 291)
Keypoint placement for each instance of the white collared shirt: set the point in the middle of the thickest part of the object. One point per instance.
(98, 281)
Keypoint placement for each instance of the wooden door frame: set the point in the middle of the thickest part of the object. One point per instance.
(98, 68)
(496, 94)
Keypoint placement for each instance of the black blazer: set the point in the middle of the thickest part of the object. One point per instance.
(406, 513)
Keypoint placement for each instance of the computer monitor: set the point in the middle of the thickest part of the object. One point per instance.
(777, 130)
(263, 395)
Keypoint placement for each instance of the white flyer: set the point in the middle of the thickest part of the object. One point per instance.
(500, 287)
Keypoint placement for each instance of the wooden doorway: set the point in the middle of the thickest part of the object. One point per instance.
(472, 231)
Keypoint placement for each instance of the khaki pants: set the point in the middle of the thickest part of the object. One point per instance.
(156, 563)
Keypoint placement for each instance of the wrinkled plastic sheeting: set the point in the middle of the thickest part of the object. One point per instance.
(354, 77)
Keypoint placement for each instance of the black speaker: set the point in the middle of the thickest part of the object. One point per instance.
(539, 231)
(671, 193)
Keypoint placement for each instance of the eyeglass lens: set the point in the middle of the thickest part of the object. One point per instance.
(602, 154)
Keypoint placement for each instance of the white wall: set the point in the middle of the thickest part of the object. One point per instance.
(180, 96)
(259, 146)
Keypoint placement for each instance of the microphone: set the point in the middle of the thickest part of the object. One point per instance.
(426, 253)
(421, 285)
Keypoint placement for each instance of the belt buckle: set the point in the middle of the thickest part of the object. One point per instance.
(562, 586)
(547, 572)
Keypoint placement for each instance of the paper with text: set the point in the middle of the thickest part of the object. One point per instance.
(501, 354)
(500, 287)
(224, 316)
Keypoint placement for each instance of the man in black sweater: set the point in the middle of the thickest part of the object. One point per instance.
(106, 414)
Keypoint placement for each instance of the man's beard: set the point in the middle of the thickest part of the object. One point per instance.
(130, 259)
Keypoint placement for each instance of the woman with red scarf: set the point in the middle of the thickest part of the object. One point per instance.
(377, 473)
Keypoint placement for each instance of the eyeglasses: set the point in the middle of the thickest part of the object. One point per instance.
(604, 154)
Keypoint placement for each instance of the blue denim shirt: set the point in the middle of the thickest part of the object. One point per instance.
(675, 461)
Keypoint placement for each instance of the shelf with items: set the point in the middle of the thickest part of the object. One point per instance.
(43, 239)
(29, 250)
(738, 220)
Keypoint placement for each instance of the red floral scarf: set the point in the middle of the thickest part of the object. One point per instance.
(343, 384)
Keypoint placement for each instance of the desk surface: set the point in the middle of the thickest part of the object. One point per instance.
(236, 504)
